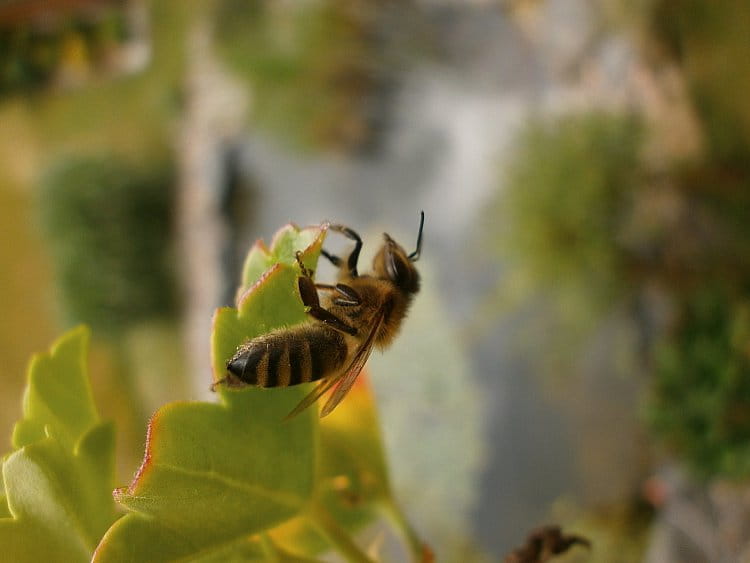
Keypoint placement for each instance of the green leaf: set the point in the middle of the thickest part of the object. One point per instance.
(285, 244)
(58, 397)
(59, 483)
(258, 260)
(146, 533)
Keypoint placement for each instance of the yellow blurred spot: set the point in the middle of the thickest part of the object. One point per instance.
(357, 410)
(341, 483)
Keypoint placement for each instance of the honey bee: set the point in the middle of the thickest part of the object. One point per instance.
(347, 320)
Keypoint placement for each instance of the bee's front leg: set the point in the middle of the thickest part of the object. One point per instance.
(306, 272)
(351, 262)
(335, 260)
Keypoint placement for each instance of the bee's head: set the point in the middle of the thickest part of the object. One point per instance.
(392, 263)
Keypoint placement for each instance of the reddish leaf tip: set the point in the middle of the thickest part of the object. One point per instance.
(120, 492)
(260, 244)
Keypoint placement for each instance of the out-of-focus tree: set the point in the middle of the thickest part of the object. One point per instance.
(320, 72)
(702, 370)
(108, 225)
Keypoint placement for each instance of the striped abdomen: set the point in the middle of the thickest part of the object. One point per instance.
(289, 356)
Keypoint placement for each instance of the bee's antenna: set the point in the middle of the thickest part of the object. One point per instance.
(414, 256)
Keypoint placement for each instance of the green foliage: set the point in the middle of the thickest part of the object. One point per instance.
(59, 479)
(314, 67)
(234, 480)
(108, 225)
(563, 207)
(560, 226)
(701, 397)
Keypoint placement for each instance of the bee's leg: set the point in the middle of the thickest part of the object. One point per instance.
(350, 296)
(309, 294)
(230, 380)
(331, 320)
(306, 272)
(351, 262)
(335, 260)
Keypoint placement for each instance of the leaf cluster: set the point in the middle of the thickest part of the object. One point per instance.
(58, 479)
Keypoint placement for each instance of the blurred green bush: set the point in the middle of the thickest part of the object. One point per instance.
(560, 218)
(108, 223)
(700, 401)
(701, 396)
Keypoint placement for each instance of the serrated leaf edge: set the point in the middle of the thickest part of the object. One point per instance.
(291, 226)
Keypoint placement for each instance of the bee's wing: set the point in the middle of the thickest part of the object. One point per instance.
(314, 395)
(344, 383)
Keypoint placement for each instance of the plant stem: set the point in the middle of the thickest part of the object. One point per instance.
(392, 512)
(335, 534)
(269, 550)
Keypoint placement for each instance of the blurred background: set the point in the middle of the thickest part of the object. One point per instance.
(580, 353)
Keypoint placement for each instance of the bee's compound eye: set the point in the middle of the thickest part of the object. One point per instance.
(397, 269)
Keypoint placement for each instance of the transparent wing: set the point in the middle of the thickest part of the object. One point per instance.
(344, 384)
(315, 394)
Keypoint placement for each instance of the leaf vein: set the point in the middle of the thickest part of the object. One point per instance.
(289, 500)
